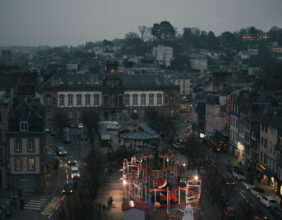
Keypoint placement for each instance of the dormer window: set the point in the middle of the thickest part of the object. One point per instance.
(23, 125)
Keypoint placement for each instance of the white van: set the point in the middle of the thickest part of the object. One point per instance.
(75, 173)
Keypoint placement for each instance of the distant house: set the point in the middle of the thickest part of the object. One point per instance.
(253, 49)
(199, 62)
(244, 55)
(185, 83)
(26, 147)
(163, 55)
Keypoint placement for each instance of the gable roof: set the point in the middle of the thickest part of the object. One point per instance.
(153, 81)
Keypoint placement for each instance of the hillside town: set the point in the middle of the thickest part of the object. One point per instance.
(81, 127)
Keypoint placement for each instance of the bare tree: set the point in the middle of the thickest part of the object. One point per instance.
(90, 119)
(61, 119)
(145, 32)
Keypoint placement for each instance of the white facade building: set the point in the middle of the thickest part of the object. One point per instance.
(163, 55)
(199, 62)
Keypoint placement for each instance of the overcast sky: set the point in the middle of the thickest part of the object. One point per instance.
(74, 22)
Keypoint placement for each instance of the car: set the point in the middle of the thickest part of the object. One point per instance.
(208, 163)
(229, 181)
(75, 173)
(276, 212)
(230, 212)
(47, 130)
(247, 184)
(61, 151)
(71, 160)
(69, 187)
(80, 125)
(257, 192)
(231, 168)
(268, 201)
(6, 209)
(238, 175)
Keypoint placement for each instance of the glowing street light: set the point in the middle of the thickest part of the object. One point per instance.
(196, 177)
(124, 182)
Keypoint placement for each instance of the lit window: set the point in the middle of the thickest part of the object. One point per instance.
(23, 126)
(31, 163)
(18, 164)
(30, 145)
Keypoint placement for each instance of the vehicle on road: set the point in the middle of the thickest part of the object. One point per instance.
(69, 187)
(80, 125)
(238, 175)
(229, 181)
(208, 163)
(7, 210)
(268, 201)
(75, 173)
(257, 192)
(230, 212)
(178, 146)
(276, 212)
(71, 160)
(61, 151)
(247, 184)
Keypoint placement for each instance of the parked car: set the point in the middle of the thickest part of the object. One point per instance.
(257, 192)
(238, 175)
(276, 212)
(247, 185)
(75, 173)
(7, 210)
(61, 151)
(69, 187)
(208, 163)
(268, 201)
(80, 125)
(71, 160)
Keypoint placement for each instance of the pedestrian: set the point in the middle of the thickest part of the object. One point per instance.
(110, 201)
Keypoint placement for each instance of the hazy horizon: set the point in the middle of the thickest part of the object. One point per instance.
(72, 22)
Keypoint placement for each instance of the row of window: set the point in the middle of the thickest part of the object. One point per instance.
(30, 145)
(143, 99)
(78, 99)
(19, 164)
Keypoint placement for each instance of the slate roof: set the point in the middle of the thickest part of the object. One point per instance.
(136, 82)
(74, 81)
(148, 130)
(137, 136)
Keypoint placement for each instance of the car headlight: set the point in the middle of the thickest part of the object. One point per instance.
(72, 176)
(70, 190)
(60, 153)
(78, 175)
(68, 161)
(64, 190)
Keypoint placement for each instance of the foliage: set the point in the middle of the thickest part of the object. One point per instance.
(122, 153)
(90, 119)
(163, 31)
(61, 119)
